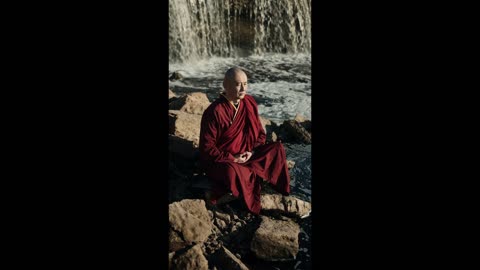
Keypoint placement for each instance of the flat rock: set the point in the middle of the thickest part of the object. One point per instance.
(224, 259)
(185, 125)
(276, 240)
(193, 259)
(190, 219)
(194, 103)
(285, 204)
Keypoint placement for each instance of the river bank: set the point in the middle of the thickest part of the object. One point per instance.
(237, 233)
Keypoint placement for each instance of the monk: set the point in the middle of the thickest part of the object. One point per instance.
(232, 146)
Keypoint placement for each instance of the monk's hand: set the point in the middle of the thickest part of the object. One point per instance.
(247, 155)
(240, 158)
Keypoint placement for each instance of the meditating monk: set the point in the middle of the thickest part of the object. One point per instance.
(232, 146)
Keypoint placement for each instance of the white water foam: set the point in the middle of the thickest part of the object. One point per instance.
(281, 83)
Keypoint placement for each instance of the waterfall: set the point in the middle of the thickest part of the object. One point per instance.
(230, 28)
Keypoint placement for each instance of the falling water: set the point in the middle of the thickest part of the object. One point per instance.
(199, 29)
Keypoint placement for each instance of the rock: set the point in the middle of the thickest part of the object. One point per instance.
(193, 259)
(224, 216)
(171, 94)
(300, 118)
(170, 257)
(296, 132)
(276, 240)
(285, 204)
(221, 224)
(181, 147)
(190, 219)
(176, 76)
(185, 125)
(175, 242)
(194, 103)
(224, 259)
(307, 124)
(290, 164)
(273, 137)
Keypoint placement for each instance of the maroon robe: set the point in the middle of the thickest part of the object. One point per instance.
(222, 137)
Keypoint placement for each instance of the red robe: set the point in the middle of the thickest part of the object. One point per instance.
(222, 136)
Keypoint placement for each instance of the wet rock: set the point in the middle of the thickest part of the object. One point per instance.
(185, 125)
(285, 204)
(176, 76)
(194, 103)
(190, 219)
(276, 240)
(295, 132)
(307, 124)
(193, 259)
(224, 259)
(171, 94)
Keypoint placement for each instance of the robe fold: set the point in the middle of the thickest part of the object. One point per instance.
(226, 132)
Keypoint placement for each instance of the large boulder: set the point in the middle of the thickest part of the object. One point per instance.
(295, 132)
(306, 123)
(193, 259)
(175, 242)
(285, 204)
(194, 103)
(224, 259)
(276, 240)
(185, 125)
(190, 219)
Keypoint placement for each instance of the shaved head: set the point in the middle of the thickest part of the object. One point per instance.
(231, 72)
(235, 84)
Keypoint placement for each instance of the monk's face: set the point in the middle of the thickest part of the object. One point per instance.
(236, 87)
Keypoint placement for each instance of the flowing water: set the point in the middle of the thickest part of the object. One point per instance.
(271, 41)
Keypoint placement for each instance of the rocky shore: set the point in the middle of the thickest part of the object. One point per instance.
(227, 236)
